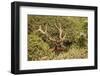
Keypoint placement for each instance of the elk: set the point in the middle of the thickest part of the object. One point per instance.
(57, 42)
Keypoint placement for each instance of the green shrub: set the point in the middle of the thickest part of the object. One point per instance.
(36, 47)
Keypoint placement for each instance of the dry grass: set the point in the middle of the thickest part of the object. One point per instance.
(72, 53)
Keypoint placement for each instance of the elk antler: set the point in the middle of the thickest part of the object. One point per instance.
(45, 32)
(60, 32)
